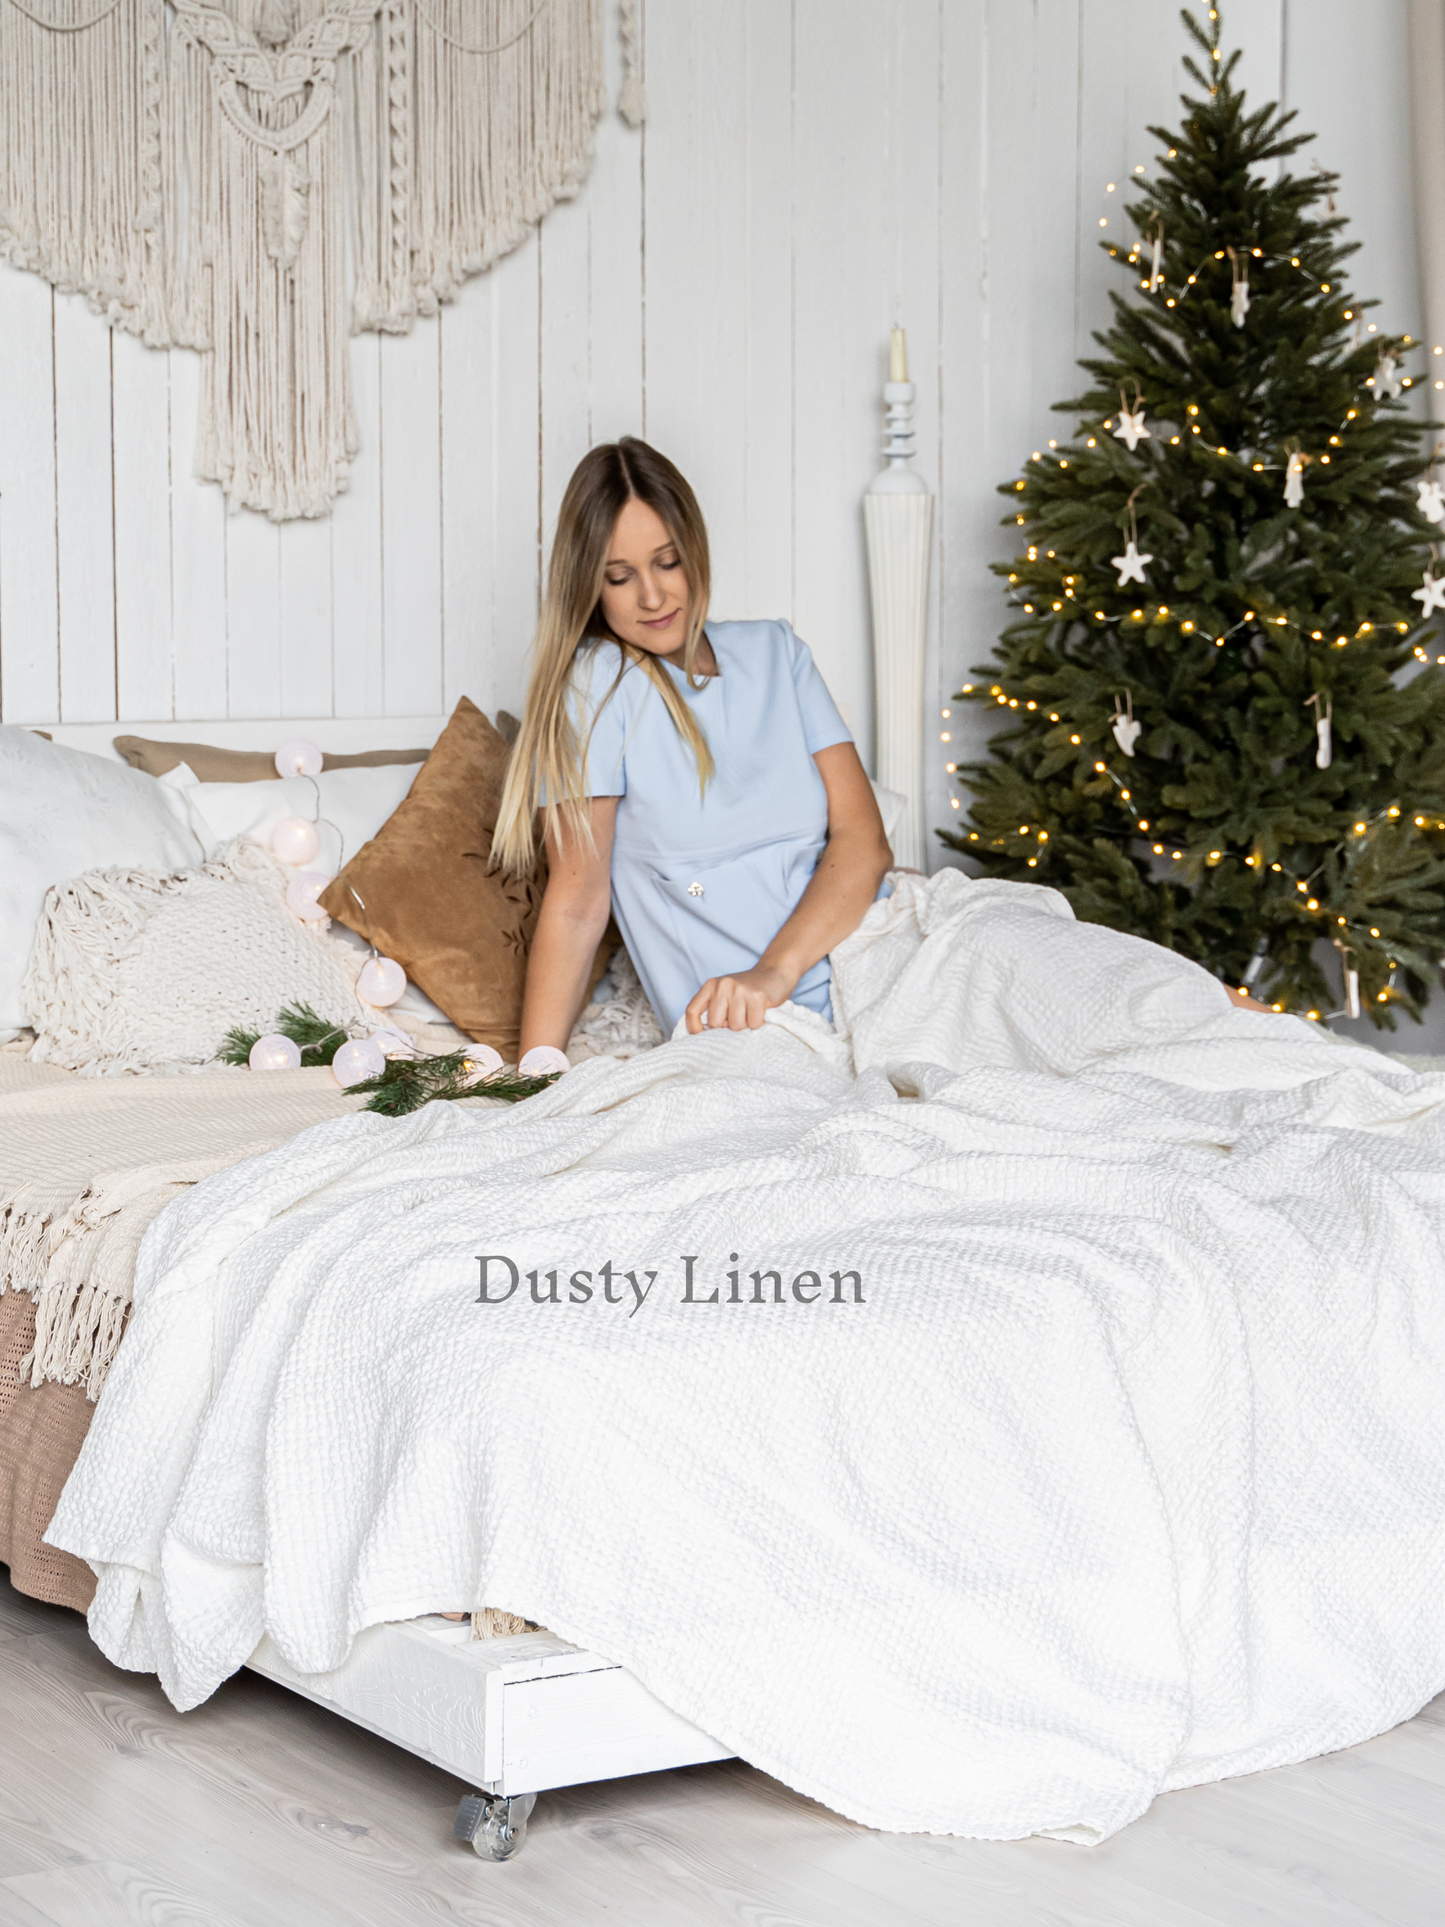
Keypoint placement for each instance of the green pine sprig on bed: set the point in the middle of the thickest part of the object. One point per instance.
(409, 1082)
(317, 1040)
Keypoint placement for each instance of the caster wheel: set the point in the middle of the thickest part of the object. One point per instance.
(492, 1826)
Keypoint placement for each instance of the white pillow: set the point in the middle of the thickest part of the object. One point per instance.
(354, 804)
(62, 812)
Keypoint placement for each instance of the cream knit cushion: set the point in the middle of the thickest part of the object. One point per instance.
(623, 1025)
(136, 970)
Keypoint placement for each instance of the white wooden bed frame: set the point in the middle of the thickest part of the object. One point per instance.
(510, 1716)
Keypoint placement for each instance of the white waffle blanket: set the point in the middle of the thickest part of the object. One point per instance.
(1127, 1474)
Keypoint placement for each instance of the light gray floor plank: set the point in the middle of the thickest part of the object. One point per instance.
(16, 1911)
(260, 1810)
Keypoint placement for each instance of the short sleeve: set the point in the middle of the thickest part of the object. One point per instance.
(822, 725)
(600, 710)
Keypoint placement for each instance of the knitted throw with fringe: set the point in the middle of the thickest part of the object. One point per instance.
(257, 178)
(133, 970)
(86, 1168)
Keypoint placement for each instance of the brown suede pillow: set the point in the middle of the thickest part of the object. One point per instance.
(214, 765)
(458, 928)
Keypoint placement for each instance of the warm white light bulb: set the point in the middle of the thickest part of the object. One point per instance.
(302, 893)
(357, 1061)
(481, 1061)
(274, 1053)
(380, 982)
(542, 1060)
(300, 757)
(294, 840)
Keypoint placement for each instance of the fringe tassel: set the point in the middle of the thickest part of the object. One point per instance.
(216, 188)
(489, 1622)
(79, 1264)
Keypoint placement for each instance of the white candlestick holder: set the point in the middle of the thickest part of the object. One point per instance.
(898, 517)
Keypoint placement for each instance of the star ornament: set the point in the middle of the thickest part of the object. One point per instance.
(1131, 429)
(1130, 564)
(1432, 501)
(1432, 596)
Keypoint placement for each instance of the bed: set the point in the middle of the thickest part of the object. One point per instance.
(1160, 1280)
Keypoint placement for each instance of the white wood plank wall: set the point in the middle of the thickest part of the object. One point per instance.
(810, 172)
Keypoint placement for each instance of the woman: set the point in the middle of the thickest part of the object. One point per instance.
(694, 779)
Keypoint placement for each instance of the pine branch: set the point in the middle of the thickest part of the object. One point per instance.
(408, 1083)
(317, 1040)
(237, 1045)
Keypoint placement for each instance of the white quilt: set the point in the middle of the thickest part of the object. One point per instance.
(1127, 1473)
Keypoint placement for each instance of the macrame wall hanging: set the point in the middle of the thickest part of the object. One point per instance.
(255, 179)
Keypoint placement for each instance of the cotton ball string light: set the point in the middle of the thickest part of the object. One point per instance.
(356, 1062)
(393, 1042)
(380, 982)
(294, 840)
(274, 1053)
(300, 757)
(542, 1061)
(480, 1063)
(302, 893)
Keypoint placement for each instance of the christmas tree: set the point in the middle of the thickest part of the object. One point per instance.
(1219, 580)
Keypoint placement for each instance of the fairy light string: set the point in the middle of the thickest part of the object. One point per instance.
(1317, 914)
(1064, 596)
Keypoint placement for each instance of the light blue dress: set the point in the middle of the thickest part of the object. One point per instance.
(702, 885)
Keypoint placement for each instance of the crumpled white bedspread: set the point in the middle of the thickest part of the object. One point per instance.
(1127, 1474)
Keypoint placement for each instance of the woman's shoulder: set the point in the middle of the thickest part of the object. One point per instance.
(760, 638)
(600, 668)
(772, 654)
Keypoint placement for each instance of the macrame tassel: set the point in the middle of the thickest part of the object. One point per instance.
(277, 427)
(79, 159)
(502, 113)
(216, 186)
(399, 298)
(632, 100)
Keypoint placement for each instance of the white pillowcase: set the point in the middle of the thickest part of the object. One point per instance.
(354, 804)
(62, 812)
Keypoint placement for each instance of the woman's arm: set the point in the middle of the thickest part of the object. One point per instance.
(852, 865)
(570, 923)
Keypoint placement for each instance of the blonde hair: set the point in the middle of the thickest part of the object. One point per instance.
(550, 759)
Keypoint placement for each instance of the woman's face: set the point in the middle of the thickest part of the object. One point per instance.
(644, 589)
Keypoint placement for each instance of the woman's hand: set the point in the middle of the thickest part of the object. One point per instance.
(741, 1002)
(854, 860)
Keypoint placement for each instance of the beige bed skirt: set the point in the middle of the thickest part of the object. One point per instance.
(42, 1428)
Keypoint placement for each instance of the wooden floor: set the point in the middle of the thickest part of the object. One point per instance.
(259, 1810)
